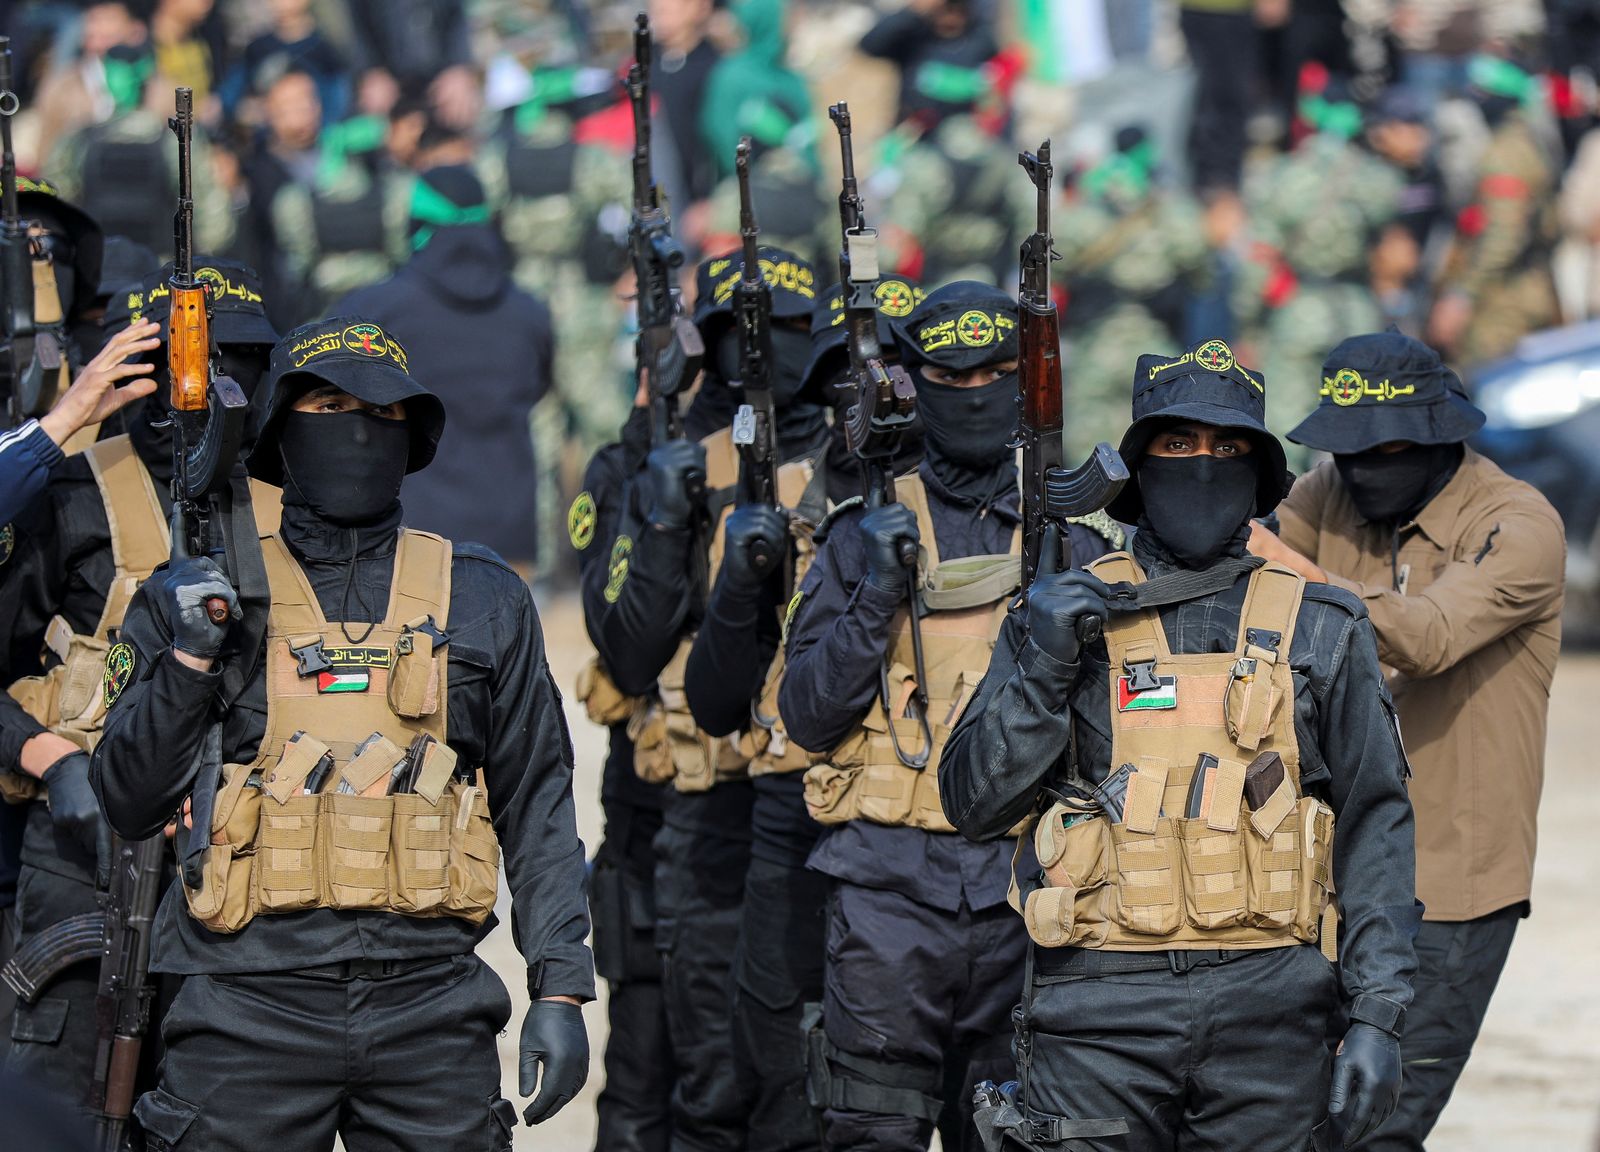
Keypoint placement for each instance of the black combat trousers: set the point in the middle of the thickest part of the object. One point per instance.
(700, 880)
(1218, 1055)
(916, 1008)
(53, 1039)
(1458, 966)
(396, 1062)
(778, 971)
(634, 1107)
(1222, 47)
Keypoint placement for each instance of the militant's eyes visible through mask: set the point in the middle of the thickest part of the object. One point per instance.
(972, 426)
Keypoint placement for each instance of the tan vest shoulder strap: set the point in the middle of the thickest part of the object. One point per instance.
(295, 611)
(910, 492)
(1131, 637)
(421, 583)
(793, 480)
(140, 539)
(1273, 604)
(266, 503)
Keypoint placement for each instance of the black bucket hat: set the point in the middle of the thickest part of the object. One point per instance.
(897, 297)
(125, 264)
(960, 326)
(1382, 387)
(237, 313)
(358, 356)
(40, 200)
(792, 279)
(1208, 386)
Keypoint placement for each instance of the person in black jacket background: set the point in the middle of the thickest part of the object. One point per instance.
(488, 350)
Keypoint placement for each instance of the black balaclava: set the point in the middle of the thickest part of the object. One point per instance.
(1196, 504)
(346, 466)
(150, 429)
(969, 434)
(1394, 487)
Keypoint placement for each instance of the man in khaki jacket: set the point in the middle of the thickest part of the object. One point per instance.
(1461, 569)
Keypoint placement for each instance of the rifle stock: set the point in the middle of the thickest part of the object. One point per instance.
(883, 413)
(123, 1002)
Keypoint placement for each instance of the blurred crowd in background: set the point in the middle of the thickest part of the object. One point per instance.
(1278, 173)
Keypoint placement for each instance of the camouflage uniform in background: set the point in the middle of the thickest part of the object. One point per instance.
(954, 192)
(125, 172)
(564, 212)
(1128, 266)
(790, 208)
(1500, 258)
(348, 229)
(1305, 286)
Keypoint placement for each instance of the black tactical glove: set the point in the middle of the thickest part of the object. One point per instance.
(183, 589)
(884, 533)
(1367, 1065)
(74, 810)
(677, 472)
(753, 544)
(552, 1035)
(1065, 609)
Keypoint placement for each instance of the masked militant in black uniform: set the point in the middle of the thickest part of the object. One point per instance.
(346, 805)
(653, 606)
(923, 958)
(80, 554)
(1191, 768)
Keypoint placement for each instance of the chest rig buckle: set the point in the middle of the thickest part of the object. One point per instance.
(308, 655)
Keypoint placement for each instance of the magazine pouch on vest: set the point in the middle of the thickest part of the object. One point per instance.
(1192, 862)
(354, 800)
(965, 602)
(70, 698)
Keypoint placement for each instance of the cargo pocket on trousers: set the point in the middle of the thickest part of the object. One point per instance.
(41, 1022)
(164, 1119)
(502, 1123)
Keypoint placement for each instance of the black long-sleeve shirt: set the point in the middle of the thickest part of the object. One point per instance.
(504, 715)
(837, 639)
(1014, 735)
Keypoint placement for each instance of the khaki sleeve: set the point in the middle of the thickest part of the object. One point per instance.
(1512, 574)
(1507, 201)
(1300, 514)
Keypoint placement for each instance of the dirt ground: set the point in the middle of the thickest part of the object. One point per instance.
(1534, 1081)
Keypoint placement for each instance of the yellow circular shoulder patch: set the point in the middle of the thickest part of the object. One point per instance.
(617, 572)
(119, 671)
(8, 542)
(581, 520)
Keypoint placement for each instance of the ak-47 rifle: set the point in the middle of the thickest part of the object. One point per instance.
(16, 257)
(884, 409)
(122, 1006)
(754, 425)
(669, 346)
(1050, 493)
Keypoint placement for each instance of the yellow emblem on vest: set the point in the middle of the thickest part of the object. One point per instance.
(581, 520)
(119, 671)
(617, 573)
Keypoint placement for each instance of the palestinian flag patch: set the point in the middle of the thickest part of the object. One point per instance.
(1163, 696)
(343, 681)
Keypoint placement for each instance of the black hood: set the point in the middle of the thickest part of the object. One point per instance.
(469, 264)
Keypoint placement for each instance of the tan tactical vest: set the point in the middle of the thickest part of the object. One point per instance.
(966, 599)
(668, 744)
(356, 724)
(1233, 878)
(69, 699)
